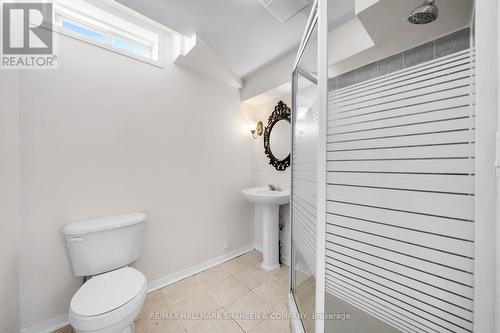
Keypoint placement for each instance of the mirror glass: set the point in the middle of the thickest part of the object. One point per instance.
(279, 140)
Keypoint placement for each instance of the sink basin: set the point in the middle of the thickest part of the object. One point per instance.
(269, 202)
(264, 196)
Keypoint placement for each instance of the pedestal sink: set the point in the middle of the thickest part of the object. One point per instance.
(269, 202)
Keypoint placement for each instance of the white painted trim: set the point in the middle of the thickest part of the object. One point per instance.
(61, 321)
(486, 196)
(158, 63)
(496, 314)
(124, 11)
(321, 165)
(172, 278)
(118, 24)
(48, 326)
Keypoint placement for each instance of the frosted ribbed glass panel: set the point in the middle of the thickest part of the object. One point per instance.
(400, 195)
(305, 140)
(304, 200)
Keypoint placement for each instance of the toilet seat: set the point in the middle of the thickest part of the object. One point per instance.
(108, 300)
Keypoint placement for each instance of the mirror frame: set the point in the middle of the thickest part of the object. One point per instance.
(281, 112)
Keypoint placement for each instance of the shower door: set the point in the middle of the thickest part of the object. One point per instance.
(304, 164)
(401, 172)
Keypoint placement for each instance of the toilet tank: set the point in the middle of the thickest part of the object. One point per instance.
(103, 244)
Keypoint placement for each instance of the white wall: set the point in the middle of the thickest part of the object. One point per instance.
(269, 77)
(9, 201)
(264, 174)
(105, 134)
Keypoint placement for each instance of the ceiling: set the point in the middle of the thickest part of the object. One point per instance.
(248, 39)
(242, 32)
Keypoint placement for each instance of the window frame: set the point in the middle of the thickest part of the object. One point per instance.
(113, 32)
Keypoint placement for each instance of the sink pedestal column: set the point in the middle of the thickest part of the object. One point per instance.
(270, 237)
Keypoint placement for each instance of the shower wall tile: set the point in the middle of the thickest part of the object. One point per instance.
(390, 64)
(346, 79)
(452, 43)
(332, 84)
(419, 54)
(367, 72)
(455, 42)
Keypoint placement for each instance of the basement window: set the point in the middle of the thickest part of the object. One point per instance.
(112, 32)
(84, 31)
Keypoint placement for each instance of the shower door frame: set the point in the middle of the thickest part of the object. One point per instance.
(319, 17)
(487, 165)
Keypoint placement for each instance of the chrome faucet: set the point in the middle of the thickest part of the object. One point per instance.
(273, 187)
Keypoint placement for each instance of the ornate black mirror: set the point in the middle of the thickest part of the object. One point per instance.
(277, 137)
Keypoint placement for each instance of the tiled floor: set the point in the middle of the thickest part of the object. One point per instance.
(242, 296)
(304, 297)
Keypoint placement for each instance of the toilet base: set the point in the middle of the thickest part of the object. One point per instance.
(129, 329)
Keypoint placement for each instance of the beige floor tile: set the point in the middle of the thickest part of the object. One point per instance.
(201, 302)
(139, 325)
(158, 325)
(283, 274)
(301, 277)
(278, 321)
(273, 292)
(248, 310)
(156, 302)
(212, 276)
(65, 329)
(274, 326)
(282, 309)
(227, 290)
(253, 257)
(252, 276)
(222, 324)
(196, 306)
(182, 289)
(234, 266)
(305, 293)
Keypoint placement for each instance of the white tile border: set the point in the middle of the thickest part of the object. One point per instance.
(61, 321)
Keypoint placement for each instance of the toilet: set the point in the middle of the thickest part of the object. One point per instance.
(100, 249)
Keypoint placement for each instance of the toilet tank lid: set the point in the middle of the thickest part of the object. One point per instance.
(103, 223)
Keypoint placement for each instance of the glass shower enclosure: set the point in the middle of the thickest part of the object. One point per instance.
(305, 123)
(384, 168)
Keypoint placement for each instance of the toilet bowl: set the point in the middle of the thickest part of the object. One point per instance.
(108, 303)
(102, 248)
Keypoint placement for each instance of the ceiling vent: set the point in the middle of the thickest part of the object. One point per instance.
(284, 10)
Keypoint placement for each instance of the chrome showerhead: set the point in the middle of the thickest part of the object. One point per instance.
(426, 13)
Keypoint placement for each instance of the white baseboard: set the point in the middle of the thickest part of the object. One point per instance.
(53, 324)
(48, 326)
(172, 278)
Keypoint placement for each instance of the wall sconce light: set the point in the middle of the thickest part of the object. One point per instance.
(256, 128)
